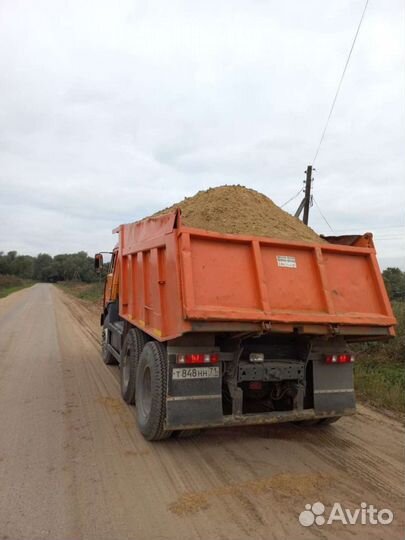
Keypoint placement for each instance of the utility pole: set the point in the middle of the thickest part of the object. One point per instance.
(307, 197)
(306, 201)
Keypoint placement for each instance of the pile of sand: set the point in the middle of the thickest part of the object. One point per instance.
(240, 210)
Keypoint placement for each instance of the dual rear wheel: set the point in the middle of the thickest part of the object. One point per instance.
(143, 372)
(134, 343)
(151, 385)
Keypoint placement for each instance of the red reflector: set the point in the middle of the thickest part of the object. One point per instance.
(339, 358)
(255, 385)
(198, 358)
(345, 358)
(194, 358)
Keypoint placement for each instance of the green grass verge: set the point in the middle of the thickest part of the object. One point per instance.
(91, 292)
(379, 372)
(10, 284)
(381, 385)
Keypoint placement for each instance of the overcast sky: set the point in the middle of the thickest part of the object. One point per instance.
(112, 110)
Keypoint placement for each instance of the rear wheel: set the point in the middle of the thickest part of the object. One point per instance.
(151, 384)
(107, 357)
(132, 349)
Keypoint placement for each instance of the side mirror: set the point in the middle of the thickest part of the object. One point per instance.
(98, 263)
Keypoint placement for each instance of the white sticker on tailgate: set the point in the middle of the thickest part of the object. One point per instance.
(196, 372)
(286, 262)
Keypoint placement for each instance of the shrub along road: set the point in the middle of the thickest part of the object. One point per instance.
(73, 465)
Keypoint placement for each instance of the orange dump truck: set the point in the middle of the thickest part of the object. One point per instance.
(217, 329)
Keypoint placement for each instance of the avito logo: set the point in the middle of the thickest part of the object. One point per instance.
(363, 515)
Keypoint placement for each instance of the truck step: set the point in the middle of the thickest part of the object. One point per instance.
(115, 353)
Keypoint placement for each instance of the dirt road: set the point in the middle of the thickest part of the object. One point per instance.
(73, 465)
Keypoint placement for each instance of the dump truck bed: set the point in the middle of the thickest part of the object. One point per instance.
(177, 279)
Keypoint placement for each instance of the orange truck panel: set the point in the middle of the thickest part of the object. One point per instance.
(171, 276)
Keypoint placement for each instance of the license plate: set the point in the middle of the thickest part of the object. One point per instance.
(195, 373)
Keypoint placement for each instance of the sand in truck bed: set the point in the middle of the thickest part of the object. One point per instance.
(240, 210)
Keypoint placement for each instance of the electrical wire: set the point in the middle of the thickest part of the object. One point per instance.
(292, 198)
(320, 211)
(340, 83)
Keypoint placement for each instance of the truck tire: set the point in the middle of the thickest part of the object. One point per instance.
(107, 357)
(134, 343)
(151, 385)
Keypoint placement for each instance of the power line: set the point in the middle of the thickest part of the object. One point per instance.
(340, 82)
(324, 218)
(292, 198)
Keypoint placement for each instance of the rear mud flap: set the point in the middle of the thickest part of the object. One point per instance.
(193, 412)
(193, 402)
(333, 388)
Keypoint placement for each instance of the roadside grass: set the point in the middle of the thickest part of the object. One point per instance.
(379, 372)
(381, 385)
(10, 284)
(91, 292)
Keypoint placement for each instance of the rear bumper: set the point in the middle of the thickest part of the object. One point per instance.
(275, 417)
(193, 403)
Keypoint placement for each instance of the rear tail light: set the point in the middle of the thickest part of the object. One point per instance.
(255, 385)
(198, 358)
(339, 358)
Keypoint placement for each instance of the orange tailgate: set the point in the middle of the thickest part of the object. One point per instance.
(232, 277)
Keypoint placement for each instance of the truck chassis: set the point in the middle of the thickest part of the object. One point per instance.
(256, 379)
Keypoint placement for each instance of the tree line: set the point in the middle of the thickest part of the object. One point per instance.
(394, 280)
(64, 267)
